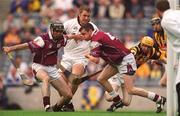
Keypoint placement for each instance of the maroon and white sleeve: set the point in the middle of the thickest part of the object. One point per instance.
(36, 44)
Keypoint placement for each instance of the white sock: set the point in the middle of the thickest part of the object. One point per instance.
(47, 106)
(70, 102)
(152, 95)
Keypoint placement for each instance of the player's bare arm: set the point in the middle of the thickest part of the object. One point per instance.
(92, 58)
(15, 47)
(75, 36)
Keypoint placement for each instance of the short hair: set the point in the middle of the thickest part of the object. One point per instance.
(87, 27)
(162, 5)
(84, 8)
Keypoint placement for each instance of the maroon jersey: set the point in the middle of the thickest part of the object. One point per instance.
(46, 55)
(110, 48)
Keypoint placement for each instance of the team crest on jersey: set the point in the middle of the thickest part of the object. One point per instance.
(75, 28)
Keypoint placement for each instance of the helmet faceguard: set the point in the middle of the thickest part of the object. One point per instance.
(155, 20)
(57, 26)
(57, 30)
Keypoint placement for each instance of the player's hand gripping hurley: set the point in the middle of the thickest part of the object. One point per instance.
(24, 78)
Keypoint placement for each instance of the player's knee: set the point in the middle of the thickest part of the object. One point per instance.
(46, 79)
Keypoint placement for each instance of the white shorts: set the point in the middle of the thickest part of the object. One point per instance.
(51, 70)
(68, 63)
(128, 65)
(116, 80)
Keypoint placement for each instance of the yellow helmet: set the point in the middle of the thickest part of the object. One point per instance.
(146, 40)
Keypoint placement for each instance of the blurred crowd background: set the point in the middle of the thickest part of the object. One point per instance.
(22, 20)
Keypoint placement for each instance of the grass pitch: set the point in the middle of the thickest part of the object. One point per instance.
(79, 113)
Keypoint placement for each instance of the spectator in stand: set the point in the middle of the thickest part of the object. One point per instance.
(43, 24)
(148, 8)
(78, 3)
(9, 22)
(101, 9)
(19, 6)
(116, 9)
(26, 36)
(27, 23)
(34, 5)
(12, 37)
(71, 13)
(128, 41)
(64, 16)
(63, 4)
(37, 31)
(47, 9)
(134, 9)
(60, 14)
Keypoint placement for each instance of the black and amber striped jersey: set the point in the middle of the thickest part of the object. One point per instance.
(160, 39)
(142, 57)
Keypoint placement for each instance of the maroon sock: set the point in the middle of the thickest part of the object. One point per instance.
(156, 98)
(116, 99)
(46, 101)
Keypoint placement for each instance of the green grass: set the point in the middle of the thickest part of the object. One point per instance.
(79, 113)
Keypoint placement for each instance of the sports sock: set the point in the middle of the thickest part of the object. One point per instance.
(46, 101)
(154, 97)
(116, 99)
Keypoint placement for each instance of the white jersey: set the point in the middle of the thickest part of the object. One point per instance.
(171, 23)
(75, 49)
